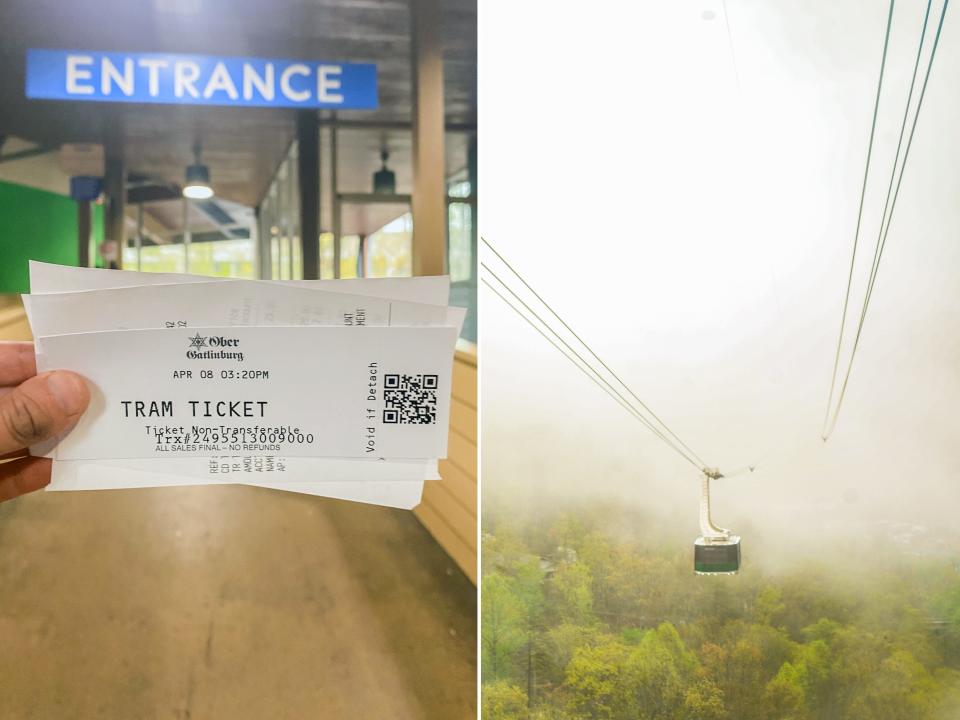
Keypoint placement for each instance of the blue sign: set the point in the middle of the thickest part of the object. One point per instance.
(199, 80)
(84, 187)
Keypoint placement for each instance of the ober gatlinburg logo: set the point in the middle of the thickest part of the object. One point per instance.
(199, 348)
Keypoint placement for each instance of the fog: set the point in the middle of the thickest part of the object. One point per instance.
(692, 218)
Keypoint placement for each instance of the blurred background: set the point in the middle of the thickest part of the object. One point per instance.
(238, 602)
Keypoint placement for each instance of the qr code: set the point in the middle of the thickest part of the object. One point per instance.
(410, 399)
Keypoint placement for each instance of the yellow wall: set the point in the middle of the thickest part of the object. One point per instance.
(13, 321)
(449, 506)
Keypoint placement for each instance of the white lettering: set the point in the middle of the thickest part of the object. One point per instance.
(325, 83)
(185, 74)
(220, 80)
(110, 75)
(153, 66)
(75, 74)
(287, 89)
(263, 84)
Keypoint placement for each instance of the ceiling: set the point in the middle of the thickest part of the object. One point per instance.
(242, 146)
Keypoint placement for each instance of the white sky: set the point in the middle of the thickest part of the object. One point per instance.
(699, 235)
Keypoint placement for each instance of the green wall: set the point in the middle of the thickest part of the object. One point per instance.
(37, 225)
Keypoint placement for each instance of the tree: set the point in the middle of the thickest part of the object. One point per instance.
(856, 655)
(704, 701)
(774, 645)
(503, 701)
(738, 671)
(769, 607)
(558, 646)
(503, 627)
(593, 679)
(901, 689)
(656, 676)
(785, 695)
(571, 595)
(813, 668)
(880, 641)
(527, 585)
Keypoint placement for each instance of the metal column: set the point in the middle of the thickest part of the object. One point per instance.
(114, 224)
(139, 239)
(308, 173)
(336, 202)
(84, 222)
(186, 234)
(473, 176)
(258, 235)
(429, 170)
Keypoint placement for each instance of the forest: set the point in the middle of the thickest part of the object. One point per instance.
(593, 611)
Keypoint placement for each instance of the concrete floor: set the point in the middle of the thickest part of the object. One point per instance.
(228, 602)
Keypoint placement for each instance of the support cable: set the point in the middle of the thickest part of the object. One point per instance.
(885, 229)
(733, 54)
(856, 234)
(590, 350)
(647, 423)
(570, 356)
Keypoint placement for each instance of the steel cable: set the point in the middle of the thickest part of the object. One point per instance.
(856, 234)
(586, 368)
(885, 229)
(591, 351)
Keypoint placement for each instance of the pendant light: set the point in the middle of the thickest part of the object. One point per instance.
(384, 180)
(197, 186)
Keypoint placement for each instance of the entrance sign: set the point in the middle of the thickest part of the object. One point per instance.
(199, 80)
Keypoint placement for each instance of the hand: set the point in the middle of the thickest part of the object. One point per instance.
(32, 408)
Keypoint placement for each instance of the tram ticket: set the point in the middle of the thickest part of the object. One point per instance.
(251, 468)
(243, 302)
(362, 392)
(50, 278)
(391, 482)
(116, 474)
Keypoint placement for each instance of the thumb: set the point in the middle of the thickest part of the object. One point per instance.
(40, 408)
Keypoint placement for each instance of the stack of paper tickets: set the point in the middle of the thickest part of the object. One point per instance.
(338, 388)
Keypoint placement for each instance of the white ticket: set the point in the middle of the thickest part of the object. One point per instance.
(367, 392)
(322, 476)
(276, 468)
(79, 475)
(243, 302)
(49, 278)
(236, 303)
(405, 495)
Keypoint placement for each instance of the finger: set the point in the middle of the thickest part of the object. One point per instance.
(40, 408)
(23, 476)
(17, 363)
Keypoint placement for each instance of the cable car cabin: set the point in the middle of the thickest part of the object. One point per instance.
(717, 550)
(715, 556)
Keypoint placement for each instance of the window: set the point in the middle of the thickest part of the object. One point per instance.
(462, 255)
(388, 251)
